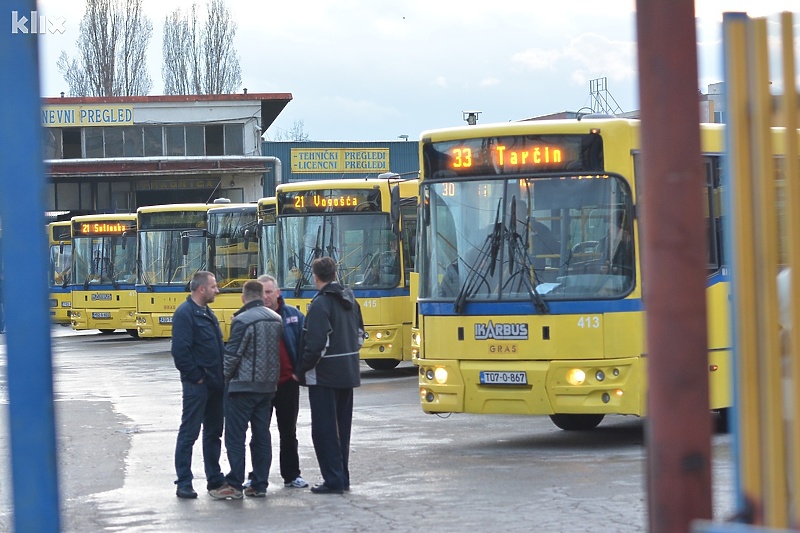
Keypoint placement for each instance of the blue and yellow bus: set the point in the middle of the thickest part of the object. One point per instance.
(267, 223)
(104, 273)
(368, 227)
(58, 279)
(173, 245)
(232, 256)
(530, 291)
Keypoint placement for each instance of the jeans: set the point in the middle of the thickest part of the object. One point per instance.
(287, 405)
(201, 407)
(331, 422)
(242, 408)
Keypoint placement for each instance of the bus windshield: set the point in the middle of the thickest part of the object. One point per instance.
(163, 259)
(233, 247)
(60, 264)
(546, 238)
(107, 259)
(363, 246)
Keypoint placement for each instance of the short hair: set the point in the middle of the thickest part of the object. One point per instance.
(200, 279)
(252, 290)
(263, 278)
(324, 268)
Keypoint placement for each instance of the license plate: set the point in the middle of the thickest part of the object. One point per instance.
(165, 320)
(504, 378)
(101, 314)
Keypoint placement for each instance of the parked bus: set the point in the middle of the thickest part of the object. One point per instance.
(233, 257)
(368, 227)
(58, 277)
(104, 273)
(530, 287)
(172, 247)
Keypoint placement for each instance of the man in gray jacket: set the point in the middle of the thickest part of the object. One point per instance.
(251, 365)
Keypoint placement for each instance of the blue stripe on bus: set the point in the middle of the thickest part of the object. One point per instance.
(358, 293)
(526, 308)
(161, 288)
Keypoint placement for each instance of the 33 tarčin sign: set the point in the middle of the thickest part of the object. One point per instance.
(501, 332)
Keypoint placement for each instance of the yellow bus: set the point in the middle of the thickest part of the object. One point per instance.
(267, 216)
(530, 293)
(58, 277)
(368, 227)
(233, 256)
(104, 273)
(172, 247)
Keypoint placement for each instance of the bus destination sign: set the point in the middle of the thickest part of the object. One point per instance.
(329, 201)
(103, 227)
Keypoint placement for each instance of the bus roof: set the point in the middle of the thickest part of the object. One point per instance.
(111, 216)
(347, 183)
(177, 208)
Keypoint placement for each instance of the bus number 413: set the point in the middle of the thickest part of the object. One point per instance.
(589, 322)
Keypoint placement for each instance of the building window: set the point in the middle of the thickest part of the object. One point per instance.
(194, 140)
(132, 141)
(215, 144)
(93, 142)
(71, 142)
(112, 138)
(52, 143)
(234, 139)
(176, 142)
(153, 141)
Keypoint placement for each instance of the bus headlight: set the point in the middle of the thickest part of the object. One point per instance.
(576, 376)
(415, 338)
(429, 374)
(378, 335)
(440, 374)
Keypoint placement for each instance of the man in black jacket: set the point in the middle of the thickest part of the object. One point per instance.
(251, 365)
(197, 351)
(330, 366)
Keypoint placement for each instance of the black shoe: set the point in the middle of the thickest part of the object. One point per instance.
(185, 492)
(325, 489)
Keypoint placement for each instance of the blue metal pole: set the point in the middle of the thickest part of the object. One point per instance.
(29, 366)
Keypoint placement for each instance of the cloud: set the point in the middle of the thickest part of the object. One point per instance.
(489, 82)
(440, 81)
(537, 59)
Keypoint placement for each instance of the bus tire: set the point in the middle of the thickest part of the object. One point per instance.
(576, 422)
(382, 364)
(107, 331)
(133, 333)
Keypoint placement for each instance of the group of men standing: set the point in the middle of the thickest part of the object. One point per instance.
(272, 350)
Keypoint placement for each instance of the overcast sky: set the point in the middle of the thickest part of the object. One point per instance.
(375, 70)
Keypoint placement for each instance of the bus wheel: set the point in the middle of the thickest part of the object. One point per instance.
(723, 420)
(382, 364)
(133, 333)
(576, 422)
(107, 331)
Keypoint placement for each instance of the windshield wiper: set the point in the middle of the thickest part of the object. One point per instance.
(519, 252)
(480, 268)
(304, 276)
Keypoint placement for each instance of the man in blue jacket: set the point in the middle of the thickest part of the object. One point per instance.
(330, 366)
(286, 401)
(197, 352)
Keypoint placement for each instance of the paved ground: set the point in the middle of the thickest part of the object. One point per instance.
(118, 409)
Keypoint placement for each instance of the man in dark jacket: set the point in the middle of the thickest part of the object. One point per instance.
(197, 351)
(330, 366)
(251, 366)
(286, 401)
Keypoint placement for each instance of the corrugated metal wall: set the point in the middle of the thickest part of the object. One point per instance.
(318, 160)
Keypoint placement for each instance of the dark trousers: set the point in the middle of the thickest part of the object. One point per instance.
(331, 422)
(201, 408)
(287, 405)
(241, 409)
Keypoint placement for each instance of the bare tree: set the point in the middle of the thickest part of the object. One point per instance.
(295, 133)
(112, 43)
(200, 60)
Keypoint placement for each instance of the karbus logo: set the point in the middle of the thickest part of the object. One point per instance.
(37, 24)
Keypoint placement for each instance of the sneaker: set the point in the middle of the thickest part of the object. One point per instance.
(226, 492)
(298, 483)
(252, 492)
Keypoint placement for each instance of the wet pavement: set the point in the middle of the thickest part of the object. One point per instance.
(118, 410)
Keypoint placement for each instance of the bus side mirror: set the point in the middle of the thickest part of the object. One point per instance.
(185, 244)
(247, 238)
(60, 247)
(124, 239)
(260, 226)
(394, 210)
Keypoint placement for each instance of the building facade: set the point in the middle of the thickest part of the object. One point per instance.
(115, 154)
